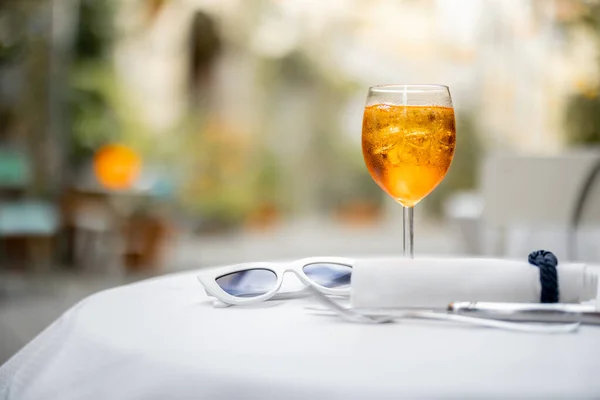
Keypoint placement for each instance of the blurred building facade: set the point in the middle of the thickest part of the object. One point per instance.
(255, 107)
(293, 75)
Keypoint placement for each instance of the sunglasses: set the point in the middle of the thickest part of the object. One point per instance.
(252, 283)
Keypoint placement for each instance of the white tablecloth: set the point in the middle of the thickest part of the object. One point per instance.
(161, 339)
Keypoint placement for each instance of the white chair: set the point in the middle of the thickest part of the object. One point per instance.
(526, 203)
(531, 202)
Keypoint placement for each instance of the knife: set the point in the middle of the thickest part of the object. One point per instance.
(532, 312)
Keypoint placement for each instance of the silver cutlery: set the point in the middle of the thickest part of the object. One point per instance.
(530, 312)
(353, 315)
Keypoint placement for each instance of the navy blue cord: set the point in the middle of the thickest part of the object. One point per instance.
(546, 262)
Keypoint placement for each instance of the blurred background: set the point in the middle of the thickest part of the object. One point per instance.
(143, 137)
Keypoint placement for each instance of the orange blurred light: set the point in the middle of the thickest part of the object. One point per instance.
(116, 166)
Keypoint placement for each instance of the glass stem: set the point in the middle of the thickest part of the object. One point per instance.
(407, 222)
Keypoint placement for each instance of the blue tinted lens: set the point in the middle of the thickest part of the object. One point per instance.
(249, 283)
(329, 275)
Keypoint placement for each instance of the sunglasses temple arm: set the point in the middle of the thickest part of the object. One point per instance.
(291, 295)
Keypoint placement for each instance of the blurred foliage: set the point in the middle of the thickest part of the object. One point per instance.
(94, 30)
(25, 114)
(582, 119)
(10, 51)
(100, 108)
(13, 35)
(230, 176)
(93, 119)
(93, 122)
(102, 113)
(580, 13)
(348, 180)
(582, 113)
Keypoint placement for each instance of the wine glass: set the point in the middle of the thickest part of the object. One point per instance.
(408, 141)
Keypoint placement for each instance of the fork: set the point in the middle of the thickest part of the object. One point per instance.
(351, 315)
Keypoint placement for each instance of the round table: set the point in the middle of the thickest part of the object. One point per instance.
(162, 339)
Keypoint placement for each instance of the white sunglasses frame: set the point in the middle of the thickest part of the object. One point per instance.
(208, 278)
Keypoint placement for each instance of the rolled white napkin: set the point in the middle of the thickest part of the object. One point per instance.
(435, 282)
